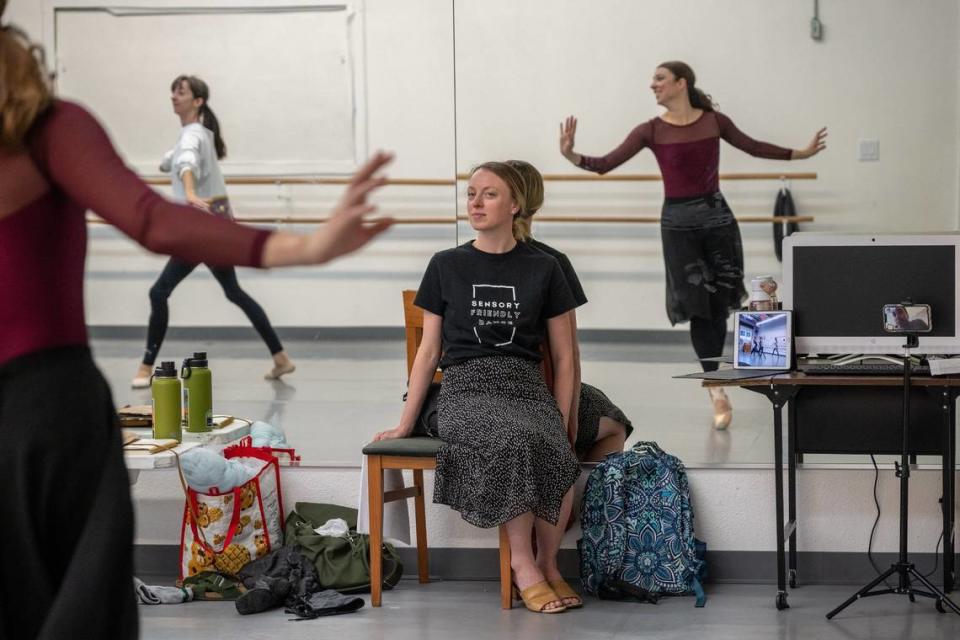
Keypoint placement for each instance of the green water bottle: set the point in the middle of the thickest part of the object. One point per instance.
(197, 393)
(165, 390)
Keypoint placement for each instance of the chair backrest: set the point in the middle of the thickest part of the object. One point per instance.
(413, 324)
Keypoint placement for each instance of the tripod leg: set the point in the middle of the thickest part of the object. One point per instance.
(865, 591)
(941, 598)
(949, 444)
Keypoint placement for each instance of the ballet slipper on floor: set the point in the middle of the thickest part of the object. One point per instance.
(278, 371)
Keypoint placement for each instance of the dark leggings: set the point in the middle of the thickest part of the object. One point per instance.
(172, 275)
(710, 334)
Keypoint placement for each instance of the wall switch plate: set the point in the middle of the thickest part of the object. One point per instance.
(869, 150)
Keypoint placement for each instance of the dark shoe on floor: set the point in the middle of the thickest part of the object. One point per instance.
(266, 594)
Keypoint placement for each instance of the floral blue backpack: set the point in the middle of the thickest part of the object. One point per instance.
(637, 526)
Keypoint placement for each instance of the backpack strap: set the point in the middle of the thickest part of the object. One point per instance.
(699, 593)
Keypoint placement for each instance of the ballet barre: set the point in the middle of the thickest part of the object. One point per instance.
(655, 177)
(538, 218)
(280, 180)
(306, 180)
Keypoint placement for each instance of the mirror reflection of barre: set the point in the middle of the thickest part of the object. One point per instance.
(907, 318)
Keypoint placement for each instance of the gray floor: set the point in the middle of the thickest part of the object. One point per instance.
(345, 391)
(467, 610)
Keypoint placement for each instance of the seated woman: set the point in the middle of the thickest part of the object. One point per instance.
(505, 460)
(598, 427)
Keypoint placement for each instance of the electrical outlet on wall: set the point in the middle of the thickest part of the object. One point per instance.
(816, 29)
(869, 150)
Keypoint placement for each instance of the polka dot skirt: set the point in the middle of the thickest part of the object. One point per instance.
(506, 451)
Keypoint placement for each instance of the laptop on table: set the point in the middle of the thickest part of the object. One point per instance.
(763, 346)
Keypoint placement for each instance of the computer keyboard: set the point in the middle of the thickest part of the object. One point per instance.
(861, 369)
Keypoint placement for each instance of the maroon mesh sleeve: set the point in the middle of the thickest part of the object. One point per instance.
(730, 133)
(77, 156)
(636, 140)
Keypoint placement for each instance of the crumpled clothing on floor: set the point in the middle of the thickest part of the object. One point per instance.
(324, 603)
(147, 594)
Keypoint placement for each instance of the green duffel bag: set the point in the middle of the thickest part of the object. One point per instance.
(342, 562)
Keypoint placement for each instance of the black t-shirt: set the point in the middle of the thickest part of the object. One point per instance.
(493, 303)
(568, 271)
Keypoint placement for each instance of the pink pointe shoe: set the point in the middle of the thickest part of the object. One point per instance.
(722, 409)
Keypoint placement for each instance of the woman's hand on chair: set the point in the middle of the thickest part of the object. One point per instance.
(392, 434)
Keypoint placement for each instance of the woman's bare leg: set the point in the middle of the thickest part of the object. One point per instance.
(610, 439)
(549, 537)
(525, 570)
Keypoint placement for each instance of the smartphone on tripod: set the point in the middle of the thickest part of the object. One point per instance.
(907, 318)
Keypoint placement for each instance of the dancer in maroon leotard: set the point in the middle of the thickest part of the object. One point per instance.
(701, 240)
(67, 552)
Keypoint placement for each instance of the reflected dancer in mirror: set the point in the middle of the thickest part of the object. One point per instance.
(702, 250)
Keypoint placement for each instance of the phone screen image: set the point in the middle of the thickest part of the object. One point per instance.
(906, 318)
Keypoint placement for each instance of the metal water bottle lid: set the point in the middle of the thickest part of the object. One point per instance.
(199, 359)
(167, 369)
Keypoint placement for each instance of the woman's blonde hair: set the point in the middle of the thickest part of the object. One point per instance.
(24, 87)
(533, 185)
(518, 190)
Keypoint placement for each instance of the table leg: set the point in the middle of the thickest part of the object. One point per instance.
(778, 483)
(792, 489)
(949, 472)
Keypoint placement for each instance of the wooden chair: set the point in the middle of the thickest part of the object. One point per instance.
(417, 454)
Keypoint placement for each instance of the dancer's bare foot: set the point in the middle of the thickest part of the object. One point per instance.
(141, 379)
(282, 365)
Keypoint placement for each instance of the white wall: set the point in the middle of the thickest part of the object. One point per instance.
(595, 60)
(886, 69)
(27, 14)
(734, 508)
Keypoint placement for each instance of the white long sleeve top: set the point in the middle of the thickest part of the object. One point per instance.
(195, 152)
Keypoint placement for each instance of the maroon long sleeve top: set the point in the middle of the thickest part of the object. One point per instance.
(688, 155)
(70, 166)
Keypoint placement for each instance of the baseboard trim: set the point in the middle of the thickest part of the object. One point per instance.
(128, 332)
(138, 332)
(756, 567)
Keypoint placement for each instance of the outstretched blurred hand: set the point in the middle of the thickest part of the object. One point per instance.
(818, 144)
(348, 228)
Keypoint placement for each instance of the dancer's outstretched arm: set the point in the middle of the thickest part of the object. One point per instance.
(76, 155)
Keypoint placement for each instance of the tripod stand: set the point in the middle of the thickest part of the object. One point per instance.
(904, 570)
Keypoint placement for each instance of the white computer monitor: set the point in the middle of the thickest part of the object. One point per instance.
(837, 284)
